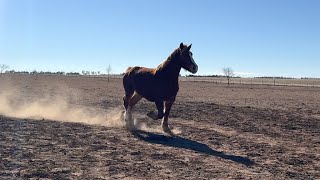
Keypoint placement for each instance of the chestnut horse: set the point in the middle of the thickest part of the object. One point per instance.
(159, 85)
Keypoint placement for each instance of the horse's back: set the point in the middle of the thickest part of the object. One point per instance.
(139, 70)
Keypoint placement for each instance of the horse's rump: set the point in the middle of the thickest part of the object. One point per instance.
(144, 81)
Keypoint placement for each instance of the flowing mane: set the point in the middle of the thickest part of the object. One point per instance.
(166, 62)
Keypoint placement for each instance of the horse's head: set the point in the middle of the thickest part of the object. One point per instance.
(186, 60)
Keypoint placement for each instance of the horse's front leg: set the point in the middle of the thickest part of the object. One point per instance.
(165, 125)
(160, 113)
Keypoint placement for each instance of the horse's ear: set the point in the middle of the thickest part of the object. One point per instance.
(189, 47)
(181, 46)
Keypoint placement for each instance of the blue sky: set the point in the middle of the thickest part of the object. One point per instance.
(253, 37)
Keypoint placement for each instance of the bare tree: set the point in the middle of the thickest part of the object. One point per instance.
(3, 67)
(108, 69)
(228, 72)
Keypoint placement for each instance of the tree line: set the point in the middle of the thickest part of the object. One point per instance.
(4, 69)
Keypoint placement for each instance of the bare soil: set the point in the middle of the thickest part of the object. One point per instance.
(235, 132)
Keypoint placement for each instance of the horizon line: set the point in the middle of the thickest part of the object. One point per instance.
(97, 73)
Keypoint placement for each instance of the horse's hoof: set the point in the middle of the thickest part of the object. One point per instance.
(168, 131)
(132, 128)
(152, 115)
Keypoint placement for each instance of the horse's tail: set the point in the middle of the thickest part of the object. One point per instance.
(127, 81)
(128, 69)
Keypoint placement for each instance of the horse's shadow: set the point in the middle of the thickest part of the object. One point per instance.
(184, 143)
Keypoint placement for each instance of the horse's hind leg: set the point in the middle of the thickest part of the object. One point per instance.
(129, 110)
(126, 99)
(128, 88)
(165, 125)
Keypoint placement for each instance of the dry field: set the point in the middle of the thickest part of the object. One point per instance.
(59, 127)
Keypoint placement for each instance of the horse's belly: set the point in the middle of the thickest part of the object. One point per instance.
(156, 93)
(156, 98)
(151, 94)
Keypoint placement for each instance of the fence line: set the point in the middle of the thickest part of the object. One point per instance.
(222, 80)
(257, 81)
(253, 81)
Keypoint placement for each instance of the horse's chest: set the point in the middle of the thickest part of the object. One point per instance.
(173, 88)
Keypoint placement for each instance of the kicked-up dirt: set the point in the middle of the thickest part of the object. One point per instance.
(60, 127)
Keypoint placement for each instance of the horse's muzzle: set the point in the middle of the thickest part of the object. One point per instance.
(194, 69)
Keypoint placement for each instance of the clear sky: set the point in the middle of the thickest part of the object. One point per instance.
(253, 37)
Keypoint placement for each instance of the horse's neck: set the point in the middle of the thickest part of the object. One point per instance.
(170, 70)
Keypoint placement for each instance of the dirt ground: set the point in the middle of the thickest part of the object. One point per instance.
(236, 132)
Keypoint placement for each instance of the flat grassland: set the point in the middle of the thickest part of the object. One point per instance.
(238, 132)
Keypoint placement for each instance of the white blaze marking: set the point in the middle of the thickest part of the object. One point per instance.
(192, 60)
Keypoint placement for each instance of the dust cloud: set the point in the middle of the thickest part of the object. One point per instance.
(56, 107)
(51, 105)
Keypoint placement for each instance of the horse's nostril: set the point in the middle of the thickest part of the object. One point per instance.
(195, 69)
